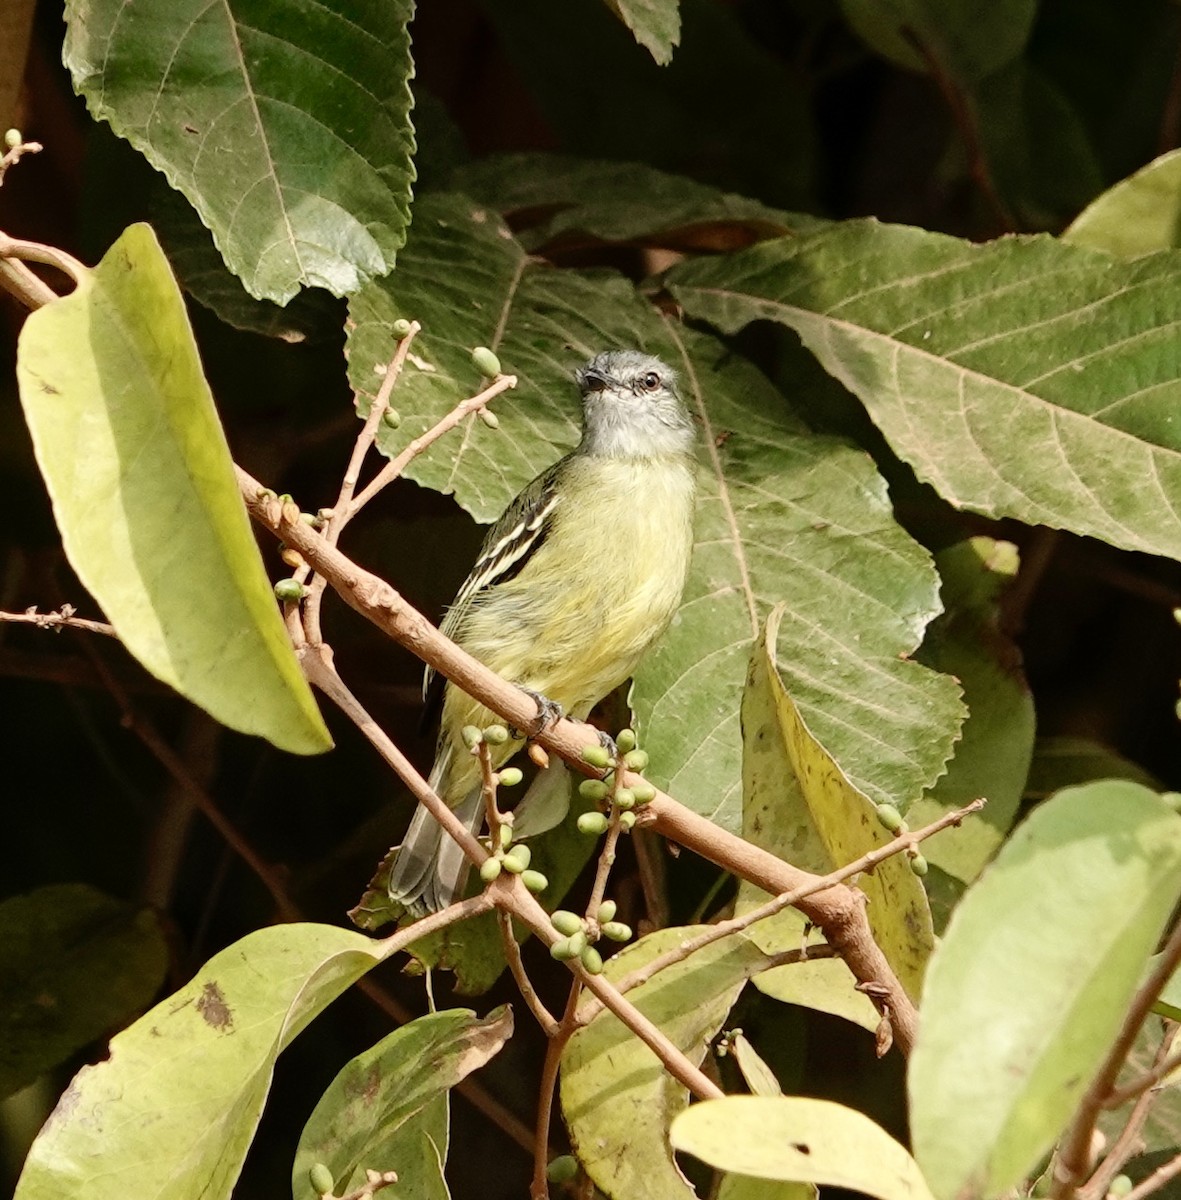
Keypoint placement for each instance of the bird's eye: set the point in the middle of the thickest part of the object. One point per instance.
(650, 382)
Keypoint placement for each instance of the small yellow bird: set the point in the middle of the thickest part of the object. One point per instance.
(576, 580)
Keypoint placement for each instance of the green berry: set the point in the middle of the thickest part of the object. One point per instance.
(627, 820)
(509, 777)
(1121, 1185)
(472, 737)
(606, 911)
(535, 881)
(13, 138)
(593, 789)
(578, 942)
(890, 817)
(566, 922)
(624, 798)
(320, 1177)
(592, 960)
(489, 418)
(496, 735)
(391, 418)
(626, 740)
(561, 950)
(918, 864)
(490, 869)
(310, 519)
(592, 823)
(401, 327)
(644, 793)
(597, 756)
(290, 591)
(486, 362)
(562, 1169)
(636, 760)
(617, 931)
(506, 835)
(520, 853)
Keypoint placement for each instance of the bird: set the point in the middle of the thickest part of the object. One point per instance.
(575, 581)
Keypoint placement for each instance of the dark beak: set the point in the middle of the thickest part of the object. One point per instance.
(590, 380)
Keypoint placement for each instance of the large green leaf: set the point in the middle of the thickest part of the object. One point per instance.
(387, 1109)
(74, 964)
(173, 1110)
(616, 1095)
(1139, 215)
(1022, 378)
(794, 1139)
(1018, 1012)
(143, 490)
(287, 127)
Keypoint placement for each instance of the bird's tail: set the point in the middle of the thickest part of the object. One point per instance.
(430, 869)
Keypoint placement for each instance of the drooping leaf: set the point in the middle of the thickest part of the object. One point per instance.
(184, 1086)
(1018, 1013)
(759, 1077)
(1060, 762)
(75, 964)
(287, 128)
(992, 758)
(387, 1110)
(1139, 215)
(1021, 378)
(616, 1094)
(656, 24)
(143, 490)
(791, 1138)
(800, 805)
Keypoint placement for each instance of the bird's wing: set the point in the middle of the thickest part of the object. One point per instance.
(509, 545)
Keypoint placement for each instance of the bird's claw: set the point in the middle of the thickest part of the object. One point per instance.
(548, 715)
(608, 744)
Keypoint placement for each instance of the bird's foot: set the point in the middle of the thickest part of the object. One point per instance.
(608, 744)
(548, 715)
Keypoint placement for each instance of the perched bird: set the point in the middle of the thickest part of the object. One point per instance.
(575, 581)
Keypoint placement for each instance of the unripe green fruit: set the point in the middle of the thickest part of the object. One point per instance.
(320, 1177)
(597, 756)
(520, 853)
(624, 798)
(627, 820)
(636, 760)
(490, 869)
(535, 881)
(509, 777)
(562, 1169)
(626, 740)
(565, 922)
(489, 418)
(561, 950)
(486, 362)
(1121, 1185)
(593, 789)
(391, 418)
(496, 735)
(578, 942)
(592, 960)
(617, 931)
(401, 327)
(644, 793)
(918, 864)
(289, 590)
(13, 138)
(472, 736)
(592, 823)
(890, 817)
(506, 835)
(606, 911)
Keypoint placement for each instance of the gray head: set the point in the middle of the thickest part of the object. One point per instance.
(632, 406)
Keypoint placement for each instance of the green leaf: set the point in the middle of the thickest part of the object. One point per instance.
(992, 759)
(746, 1187)
(615, 1093)
(802, 807)
(287, 128)
(656, 24)
(173, 1110)
(555, 198)
(1022, 378)
(74, 964)
(795, 1139)
(1139, 215)
(968, 40)
(758, 1076)
(387, 1109)
(143, 490)
(1018, 1013)
(1060, 762)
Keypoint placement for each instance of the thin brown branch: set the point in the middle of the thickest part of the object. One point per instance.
(512, 954)
(558, 1039)
(838, 910)
(1148, 1080)
(62, 619)
(13, 155)
(1157, 1180)
(1073, 1160)
(16, 248)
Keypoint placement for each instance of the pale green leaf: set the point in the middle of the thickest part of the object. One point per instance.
(615, 1093)
(143, 490)
(74, 964)
(288, 128)
(759, 1077)
(1018, 1013)
(796, 1139)
(172, 1112)
(1064, 761)
(746, 1187)
(656, 24)
(992, 758)
(1023, 378)
(1139, 215)
(387, 1109)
